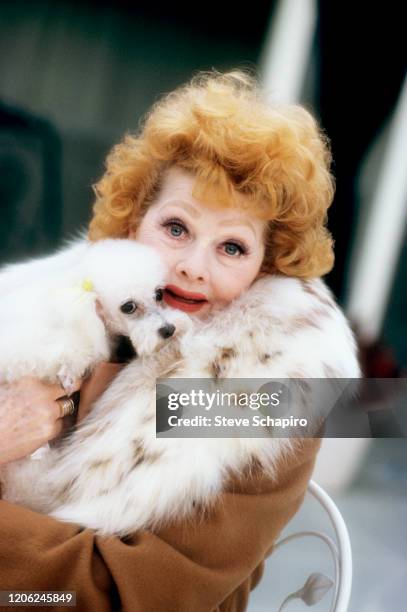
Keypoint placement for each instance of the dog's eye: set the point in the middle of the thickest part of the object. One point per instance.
(159, 295)
(128, 307)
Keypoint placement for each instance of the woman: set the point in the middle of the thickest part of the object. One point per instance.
(226, 189)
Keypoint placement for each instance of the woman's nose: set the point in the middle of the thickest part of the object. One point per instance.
(192, 266)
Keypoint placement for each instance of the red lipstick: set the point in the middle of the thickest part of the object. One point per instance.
(185, 294)
(183, 300)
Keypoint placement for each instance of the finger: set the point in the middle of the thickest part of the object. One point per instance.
(57, 391)
(57, 429)
(36, 387)
(39, 389)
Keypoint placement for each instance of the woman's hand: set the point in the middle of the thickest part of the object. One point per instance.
(29, 417)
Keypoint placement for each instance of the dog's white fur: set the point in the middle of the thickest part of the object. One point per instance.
(115, 476)
(59, 315)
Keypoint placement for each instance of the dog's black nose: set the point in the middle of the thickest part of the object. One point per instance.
(166, 331)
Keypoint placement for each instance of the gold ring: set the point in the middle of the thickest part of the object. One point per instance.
(67, 406)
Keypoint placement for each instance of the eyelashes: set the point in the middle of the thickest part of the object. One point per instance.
(234, 247)
(169, 223)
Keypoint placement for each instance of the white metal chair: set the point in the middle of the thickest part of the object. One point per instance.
(317, 585)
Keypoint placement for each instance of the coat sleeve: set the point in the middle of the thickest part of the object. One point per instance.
(208, 564)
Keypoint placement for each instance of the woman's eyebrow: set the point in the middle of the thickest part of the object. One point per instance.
(194, 212)
(238, 222)
(184, 206)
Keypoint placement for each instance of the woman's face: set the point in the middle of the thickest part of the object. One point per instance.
(212, 255)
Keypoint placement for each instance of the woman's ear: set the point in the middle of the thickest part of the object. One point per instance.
(131, 234)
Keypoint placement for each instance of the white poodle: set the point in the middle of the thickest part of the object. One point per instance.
(59, 316)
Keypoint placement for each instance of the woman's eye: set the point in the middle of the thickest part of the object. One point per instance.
(175, 228)
(232, 248)
(128, 307)
(159, 295)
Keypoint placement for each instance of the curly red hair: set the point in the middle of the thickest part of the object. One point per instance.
(219, 128)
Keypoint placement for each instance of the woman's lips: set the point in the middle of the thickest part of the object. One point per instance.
(186, 294)
(183, 300)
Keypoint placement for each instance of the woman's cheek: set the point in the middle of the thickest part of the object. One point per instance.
(239, 282)
(227, 288)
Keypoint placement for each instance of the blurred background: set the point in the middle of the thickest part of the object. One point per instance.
(75, 76)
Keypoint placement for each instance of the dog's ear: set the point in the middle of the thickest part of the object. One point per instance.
(100, 312)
